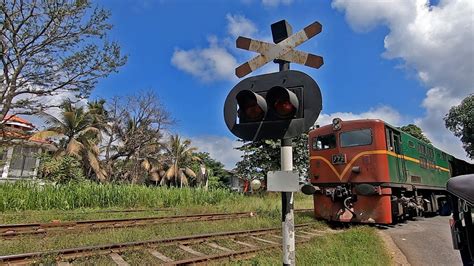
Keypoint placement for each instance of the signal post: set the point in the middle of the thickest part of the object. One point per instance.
(279, 105)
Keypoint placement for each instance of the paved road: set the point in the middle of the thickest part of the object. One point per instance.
(426, 241)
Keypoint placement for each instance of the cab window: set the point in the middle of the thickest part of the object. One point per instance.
(356, 138)
(324, 142)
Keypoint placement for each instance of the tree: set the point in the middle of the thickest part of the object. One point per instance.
(264, 155)
(415, 131)
(460, 120)
(79, 137)
(50, 48)
(133, 137)
(180, 156)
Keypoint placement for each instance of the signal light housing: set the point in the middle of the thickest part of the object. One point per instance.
(273, 106)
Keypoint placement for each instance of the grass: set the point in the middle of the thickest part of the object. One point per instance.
(61, 240)
(187, 201)
(32, 196)
(356, 246)
(22, 202)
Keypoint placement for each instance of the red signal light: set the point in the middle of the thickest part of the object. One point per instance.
(284, 108)
(284, 102)
(252, 107)
(251, 112)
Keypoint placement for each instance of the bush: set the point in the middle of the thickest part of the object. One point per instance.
(60, 169)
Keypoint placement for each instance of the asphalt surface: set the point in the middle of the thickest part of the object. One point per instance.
(426, 241)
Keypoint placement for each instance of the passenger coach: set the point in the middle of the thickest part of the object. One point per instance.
(371, 172)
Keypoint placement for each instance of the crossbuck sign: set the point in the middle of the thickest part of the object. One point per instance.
(283, 50)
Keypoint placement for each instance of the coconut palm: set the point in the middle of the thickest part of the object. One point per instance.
(79, 136)
(180, 155)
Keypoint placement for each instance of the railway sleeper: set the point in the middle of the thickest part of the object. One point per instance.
(114, 251)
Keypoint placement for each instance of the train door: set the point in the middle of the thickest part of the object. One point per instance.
(394, 144)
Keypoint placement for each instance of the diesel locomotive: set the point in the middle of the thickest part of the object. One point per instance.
(367, 171)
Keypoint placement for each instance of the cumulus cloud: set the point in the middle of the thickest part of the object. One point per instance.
(208, 64)
(238, 25)
(215, 62)
(220, 148)
(436, 41)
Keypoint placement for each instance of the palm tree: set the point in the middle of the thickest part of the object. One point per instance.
(180, 155)
(80, 135)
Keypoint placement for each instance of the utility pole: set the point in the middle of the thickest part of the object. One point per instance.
(287, 213)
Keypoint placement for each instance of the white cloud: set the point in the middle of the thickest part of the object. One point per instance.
(437, 103)
(208, 64)
(240, 26)
(217, 62)
(385, 113)
(275, 3)
(220, 148)
(436, 41)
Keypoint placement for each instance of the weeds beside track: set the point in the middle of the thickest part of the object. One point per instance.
(260, 236)
(13, 230)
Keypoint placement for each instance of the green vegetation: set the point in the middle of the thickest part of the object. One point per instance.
(460, 120)
(75, 201)
(264, 155)
(415, 131)
(356, 246)
(31, 196)
(60, 169)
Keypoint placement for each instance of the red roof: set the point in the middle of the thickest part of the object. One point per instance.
(14, 118)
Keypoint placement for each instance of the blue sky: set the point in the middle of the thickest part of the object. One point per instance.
(384, 60)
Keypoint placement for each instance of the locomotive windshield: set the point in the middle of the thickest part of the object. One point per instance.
(324, 142)
(356, 138)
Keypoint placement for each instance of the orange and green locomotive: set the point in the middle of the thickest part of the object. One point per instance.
(371, 172)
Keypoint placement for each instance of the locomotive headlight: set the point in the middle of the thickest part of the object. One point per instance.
(336, 124)
(356, 169)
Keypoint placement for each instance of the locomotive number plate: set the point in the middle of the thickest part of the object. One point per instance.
(339, 159)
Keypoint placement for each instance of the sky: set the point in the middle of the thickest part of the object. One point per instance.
(404, 61)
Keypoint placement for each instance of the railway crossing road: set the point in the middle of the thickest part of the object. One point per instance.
(426, 241)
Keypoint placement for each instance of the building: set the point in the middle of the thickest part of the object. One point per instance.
(19, 151)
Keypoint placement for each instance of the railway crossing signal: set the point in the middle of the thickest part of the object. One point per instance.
(279, 105)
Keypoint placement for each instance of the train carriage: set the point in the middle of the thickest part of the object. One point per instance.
(370, 172)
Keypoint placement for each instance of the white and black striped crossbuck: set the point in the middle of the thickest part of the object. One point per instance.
(283, 50)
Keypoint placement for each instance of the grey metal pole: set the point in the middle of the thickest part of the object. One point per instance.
(287, 215)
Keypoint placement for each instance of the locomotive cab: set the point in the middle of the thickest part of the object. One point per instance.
(348, 162)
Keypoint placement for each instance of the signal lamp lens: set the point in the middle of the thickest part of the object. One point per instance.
(251, 113)
(283, 102)
(284, 108)
(252, 107)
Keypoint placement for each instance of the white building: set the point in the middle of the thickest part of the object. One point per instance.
(18, 151)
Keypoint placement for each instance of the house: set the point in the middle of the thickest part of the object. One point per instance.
(18, 151)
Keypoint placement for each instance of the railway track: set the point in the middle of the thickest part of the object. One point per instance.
(248, 241)
(8, 231)
(15, 230)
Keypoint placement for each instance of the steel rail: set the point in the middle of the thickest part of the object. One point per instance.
(87, 251)
(12, 230)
